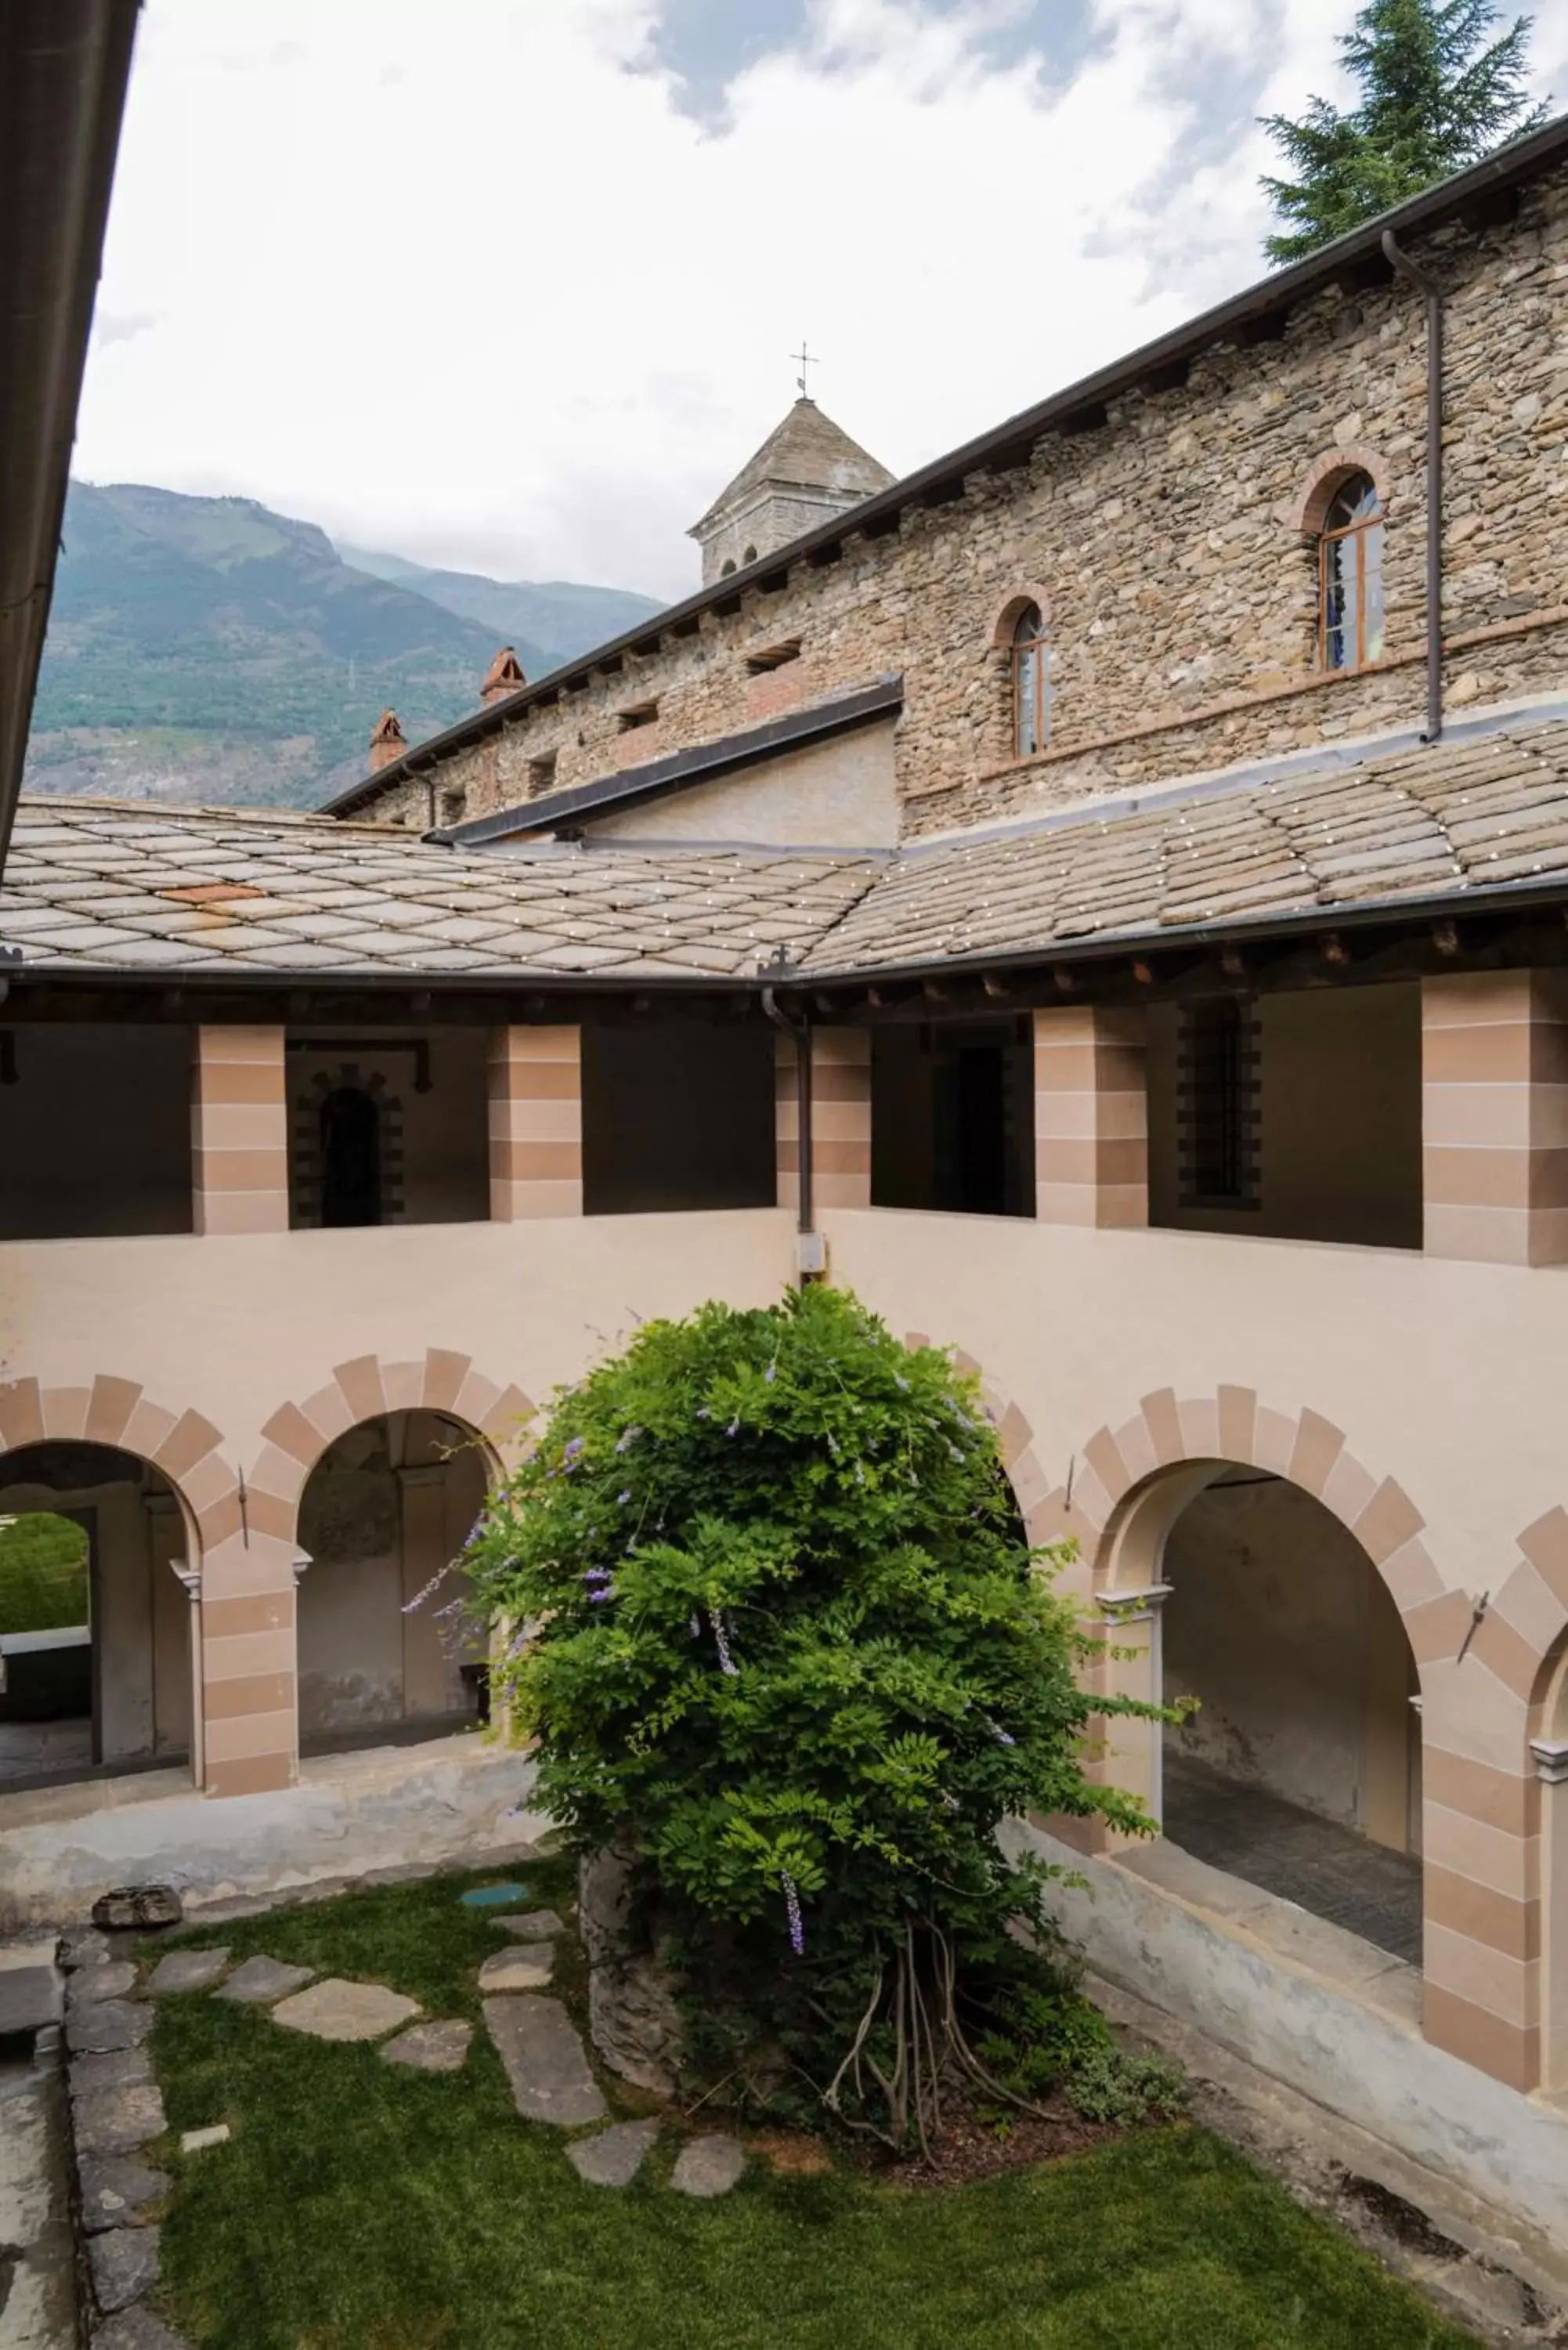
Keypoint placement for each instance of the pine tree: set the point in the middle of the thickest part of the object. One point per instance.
(1436, 95)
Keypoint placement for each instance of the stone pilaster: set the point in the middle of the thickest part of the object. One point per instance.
(1091, 1117)
(536, 1124)
(1551, 1757)
(1494, 1115)
(239, 1131)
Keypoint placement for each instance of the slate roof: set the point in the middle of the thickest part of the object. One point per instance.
(808, 449)
(1418, 824)
(124, 886)
(114, 885)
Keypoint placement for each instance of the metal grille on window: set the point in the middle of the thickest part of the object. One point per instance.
(1031, 683)
(1219, 1105)
(1350, 577)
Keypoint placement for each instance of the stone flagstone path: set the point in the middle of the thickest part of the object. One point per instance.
(118, 2109)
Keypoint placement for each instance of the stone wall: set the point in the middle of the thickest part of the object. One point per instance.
(1169, 550)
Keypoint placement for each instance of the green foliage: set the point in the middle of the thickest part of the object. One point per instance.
(42, 1572)
(1436, 95)
(785, 1642)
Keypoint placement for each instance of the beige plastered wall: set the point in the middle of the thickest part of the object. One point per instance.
(841, 794)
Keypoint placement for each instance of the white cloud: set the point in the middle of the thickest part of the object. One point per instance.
(468, 283)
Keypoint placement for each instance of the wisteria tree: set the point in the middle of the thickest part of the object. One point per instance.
(785, 1645)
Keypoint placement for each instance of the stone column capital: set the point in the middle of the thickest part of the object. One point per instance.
(1133, 1607)
(191, 1576)
(301, 1559)
(1551, 1761)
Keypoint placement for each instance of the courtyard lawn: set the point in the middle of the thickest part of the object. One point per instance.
(42, 1572)
(359, 2206)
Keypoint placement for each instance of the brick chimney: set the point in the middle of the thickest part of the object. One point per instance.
(388, 741)
(504, 676)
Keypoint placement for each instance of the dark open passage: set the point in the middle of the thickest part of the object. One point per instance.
(678, 1114)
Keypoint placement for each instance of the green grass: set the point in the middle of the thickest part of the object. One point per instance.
(42, 1572)
(362, 2207)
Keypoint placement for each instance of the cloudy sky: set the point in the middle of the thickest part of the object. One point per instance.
(511, 285)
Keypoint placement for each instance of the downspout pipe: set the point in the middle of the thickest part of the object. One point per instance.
(1429, 287)
(800, 1032)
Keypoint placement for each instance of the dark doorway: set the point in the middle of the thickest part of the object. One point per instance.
(350, 1157)
(952, 1119)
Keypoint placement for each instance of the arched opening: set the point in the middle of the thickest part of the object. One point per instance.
(94, 1619)
(1300, 1773)
(350, 1156)
(727, 567)
(385, 1647)
(1350, 576)
(750, 556)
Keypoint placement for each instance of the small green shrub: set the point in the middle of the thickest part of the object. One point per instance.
(783, 1642)
(1110, 2085)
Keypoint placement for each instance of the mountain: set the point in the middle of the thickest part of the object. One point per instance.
(209, 650)
(562, 618)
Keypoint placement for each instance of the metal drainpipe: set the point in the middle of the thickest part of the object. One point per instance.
(800, 1032)
(1427, 286)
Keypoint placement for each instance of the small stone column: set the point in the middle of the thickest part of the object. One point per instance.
(1494, 1115)
(536, 1124)
(1091, 1115)
(239, 1131)
(1551, 1769)
(1134, 1750)
(190, 1581)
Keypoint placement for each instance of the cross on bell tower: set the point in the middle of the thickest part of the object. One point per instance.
(804, 358)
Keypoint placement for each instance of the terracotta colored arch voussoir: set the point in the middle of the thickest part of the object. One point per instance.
(364, 1388)
(1234, 1425)
(182, 1445)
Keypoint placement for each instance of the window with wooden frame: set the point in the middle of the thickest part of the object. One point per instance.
(1350, 576)
(1219, 1104)
(1031, 669)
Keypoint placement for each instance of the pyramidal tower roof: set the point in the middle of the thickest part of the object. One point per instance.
(807, 470)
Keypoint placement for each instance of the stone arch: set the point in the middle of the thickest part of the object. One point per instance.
(1324, 477)
(1007, 616)
(366, 1388)
(117, 1412)
(1118, 1510)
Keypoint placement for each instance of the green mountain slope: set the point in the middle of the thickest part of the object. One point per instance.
(555, 614)
(208, 650)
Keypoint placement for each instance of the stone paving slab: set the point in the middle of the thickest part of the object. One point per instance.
(118, 2191)
(197, 2141)
(109, 2024)
(86, 1948)
(29, 1998)
(439, 2047)
(187, 1970)
(90, 1985)
(527, 1969)
(137, 2329)
(124, 2265)
(116, 2121)
(614, 2156)
(116, 2068)
(339, 2010)
(709, 2166)
(544, 2060)
(256, 1982)
(531, 1925)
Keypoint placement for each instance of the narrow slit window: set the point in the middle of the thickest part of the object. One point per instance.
(1350, 577)
(1031, 683)
(541, 774)
(1219, 1101)
(641, 713)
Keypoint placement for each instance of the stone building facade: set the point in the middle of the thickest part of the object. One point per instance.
(1168, 534)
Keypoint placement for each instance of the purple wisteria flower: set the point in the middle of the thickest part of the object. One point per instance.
(726, 1661)
(1003, 1737)
(792, 1908)
(622, 1498)
(734, 1425)
(606, 1591)
(572, 1454)
(771, 1374)
(696, 1625)
(627, 1438)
